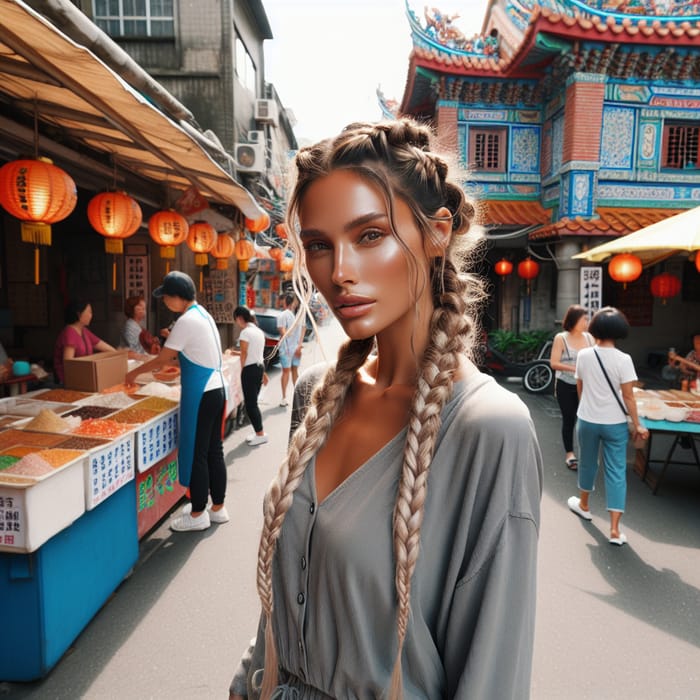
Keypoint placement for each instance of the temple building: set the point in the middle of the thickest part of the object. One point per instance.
(575, 122)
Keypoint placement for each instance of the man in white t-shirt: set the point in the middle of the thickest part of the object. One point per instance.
(289, 351)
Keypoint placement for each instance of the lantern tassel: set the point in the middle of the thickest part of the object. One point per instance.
(201, 280)
(114, 273)
(36, 264)
(167, 267)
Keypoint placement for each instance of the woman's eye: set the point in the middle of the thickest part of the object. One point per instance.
(371, 236)
(315, 246)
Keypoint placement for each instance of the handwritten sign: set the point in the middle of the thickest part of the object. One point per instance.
(591, 290)
(156, 439)
(12, 526)
(108, 470)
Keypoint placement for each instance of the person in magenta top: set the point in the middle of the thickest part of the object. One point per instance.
(76, 340)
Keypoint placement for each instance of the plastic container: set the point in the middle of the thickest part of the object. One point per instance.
(20, 368)
(50, 596)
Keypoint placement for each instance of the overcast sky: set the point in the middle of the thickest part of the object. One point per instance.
(328, 56)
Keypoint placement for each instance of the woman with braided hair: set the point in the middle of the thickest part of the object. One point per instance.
(398, 552)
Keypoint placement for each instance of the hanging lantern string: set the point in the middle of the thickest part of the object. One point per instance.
(36, 128)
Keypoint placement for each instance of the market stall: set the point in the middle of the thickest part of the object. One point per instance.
(83, 476)
(673, 420)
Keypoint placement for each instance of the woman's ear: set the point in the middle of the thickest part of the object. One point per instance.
(441, 224)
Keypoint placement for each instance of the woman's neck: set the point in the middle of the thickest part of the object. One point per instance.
(78, 326)
(605, 343)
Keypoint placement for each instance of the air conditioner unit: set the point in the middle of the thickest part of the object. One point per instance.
(250, 157)
(266, 111)
(256, 136)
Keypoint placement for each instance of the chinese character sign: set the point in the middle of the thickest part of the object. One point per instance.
(12, 529)
(591, 289)
(109, 469)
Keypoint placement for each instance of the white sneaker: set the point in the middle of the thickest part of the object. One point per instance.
(186, 522)
(284, 402)
(215, 516)
(219, 516)
(258, 440)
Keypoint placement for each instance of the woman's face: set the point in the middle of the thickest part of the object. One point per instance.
(85, 316)
(140, 311)
(355, 261)
(581, 325)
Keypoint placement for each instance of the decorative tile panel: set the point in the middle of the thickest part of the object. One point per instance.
(616, 142)
(525, 147)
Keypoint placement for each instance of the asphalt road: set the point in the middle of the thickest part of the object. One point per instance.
(612, 623)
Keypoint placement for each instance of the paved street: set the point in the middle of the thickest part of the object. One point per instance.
(613, 623)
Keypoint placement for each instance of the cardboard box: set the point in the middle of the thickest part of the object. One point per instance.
(96, 372)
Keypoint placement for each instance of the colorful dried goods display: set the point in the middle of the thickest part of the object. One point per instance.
(61, 395)
(82, 443)
(88, 411)
(48, 422)
(114, 400)
(7, 461)
(31, 465)
(59, 456)
(20, 450)
(121, 388)
(102, 427)
(157, 403)
(27, 437)
(134, 415)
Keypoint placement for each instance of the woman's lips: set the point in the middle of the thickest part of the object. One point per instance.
(353, 307)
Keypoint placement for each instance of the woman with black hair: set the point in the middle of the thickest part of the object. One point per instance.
(76, 340)
(605, 377)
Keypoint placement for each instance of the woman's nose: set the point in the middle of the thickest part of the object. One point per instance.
(344, 265)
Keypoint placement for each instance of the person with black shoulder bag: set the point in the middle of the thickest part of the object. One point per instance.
(605, 379)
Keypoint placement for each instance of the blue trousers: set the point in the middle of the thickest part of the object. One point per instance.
(611, 440)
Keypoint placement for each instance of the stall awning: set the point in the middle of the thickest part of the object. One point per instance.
(95, 112)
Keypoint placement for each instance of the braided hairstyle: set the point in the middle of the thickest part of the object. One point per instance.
(396, 158)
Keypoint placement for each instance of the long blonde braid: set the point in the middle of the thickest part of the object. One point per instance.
(323, 408)
(450, 329)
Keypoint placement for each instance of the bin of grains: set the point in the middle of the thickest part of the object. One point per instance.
(82, 443)
(115, 400)
(20, 450)
(157, 403)
(31, 465)
(7, 461)
(58, 456)
(48, 422)
(27, 437)
(134, 415)
(87, 411)
(102, 427)
(61, 395)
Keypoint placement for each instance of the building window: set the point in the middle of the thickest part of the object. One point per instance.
(135, 18)
(245, 68)
(680, 147)
(487, 149)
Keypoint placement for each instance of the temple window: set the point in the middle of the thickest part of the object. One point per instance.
(680, 145)
(487, 149)
(135, 18)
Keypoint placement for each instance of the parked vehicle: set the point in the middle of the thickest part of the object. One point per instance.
(537, 375)
(267, 321)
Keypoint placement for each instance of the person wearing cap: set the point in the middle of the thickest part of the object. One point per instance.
(194, 340)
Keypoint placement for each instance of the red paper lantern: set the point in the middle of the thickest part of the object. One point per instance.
(223, 250)
(244, 249)
(168, 229)
(39, 194)
(625, 267)
(528, 269)
(665, 286)
(259, 224)
(201, 238)
(37, 191)
(503, 267)
(115, 216)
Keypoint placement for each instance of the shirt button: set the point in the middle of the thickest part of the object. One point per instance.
(312, 508)
(300, 599)
(303, 563)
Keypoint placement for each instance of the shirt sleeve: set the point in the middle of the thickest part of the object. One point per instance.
(131, 335)
(489, 637)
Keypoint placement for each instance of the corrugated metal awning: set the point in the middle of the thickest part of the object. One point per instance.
(93, 110)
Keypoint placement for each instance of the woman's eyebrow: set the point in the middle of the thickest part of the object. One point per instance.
(359, 221)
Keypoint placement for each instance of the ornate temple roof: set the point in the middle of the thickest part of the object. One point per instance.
(610, 222)
(622, 38)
